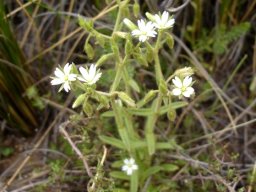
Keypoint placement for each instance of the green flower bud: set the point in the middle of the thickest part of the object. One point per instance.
(86, 24)
(87, 108)
(79, 100)
(136, 9)
(129, 24)
(121, 34)
(128, 100)
(128, 47)
(149, 96)
(150, 16)
(103, 59)
(169, 40)
(171, 114)
(163, 87)
(140, 59)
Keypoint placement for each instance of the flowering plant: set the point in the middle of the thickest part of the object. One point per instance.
(123, 100)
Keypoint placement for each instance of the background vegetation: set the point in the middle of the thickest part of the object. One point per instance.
(214, 144)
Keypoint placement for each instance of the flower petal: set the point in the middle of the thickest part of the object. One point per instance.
(189, 91)
(124, 168)
(83, 72)
(134, 167)
(177, 82)
(67, 68)
(165, 17)
(66, 87)
(57, 81)
(58, 73)
(129, 171)
(187, 81)
(176, 91)
(132, 161)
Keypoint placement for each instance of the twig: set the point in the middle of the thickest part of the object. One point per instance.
(31, 185)
(78, 152)
(173, 10)
(92, 187)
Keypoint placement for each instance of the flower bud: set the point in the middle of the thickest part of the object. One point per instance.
(163, 87)
(150, 16)
(136, 9)
(128, 100)
(87, 108)
(129, 24)
(80, 99)
(86, 24)
(184, 72)
(169, 40)
(171, 114)
(149, 96)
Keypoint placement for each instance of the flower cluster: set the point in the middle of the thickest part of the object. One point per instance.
(64, 76)
(147, 29)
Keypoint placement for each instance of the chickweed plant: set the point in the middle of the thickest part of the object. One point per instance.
(134, 44)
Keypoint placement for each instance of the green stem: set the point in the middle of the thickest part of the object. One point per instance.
(156, 105)
(158, 70)
(119, 73)
(121, 125)
(119, 14)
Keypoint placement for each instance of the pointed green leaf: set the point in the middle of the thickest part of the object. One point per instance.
(112, 141)
(119, 175)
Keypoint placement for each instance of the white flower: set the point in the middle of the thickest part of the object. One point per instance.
(144, 31)
(163, 21)
(64, 77)
(90, 76)
(183, 87)
(129, 166)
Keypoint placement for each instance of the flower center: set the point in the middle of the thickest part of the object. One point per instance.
(183, 88)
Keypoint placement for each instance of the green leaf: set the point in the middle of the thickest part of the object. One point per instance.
(134, 85)
(148, 111)
(151, 171)
(151, 142)
(89, 50)
(112, 141)
(108, 114)
(169, 167)
(119, 190)
(134, 182)
(125, 138)
(6, 151)
(119, 175)
(166, 145)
